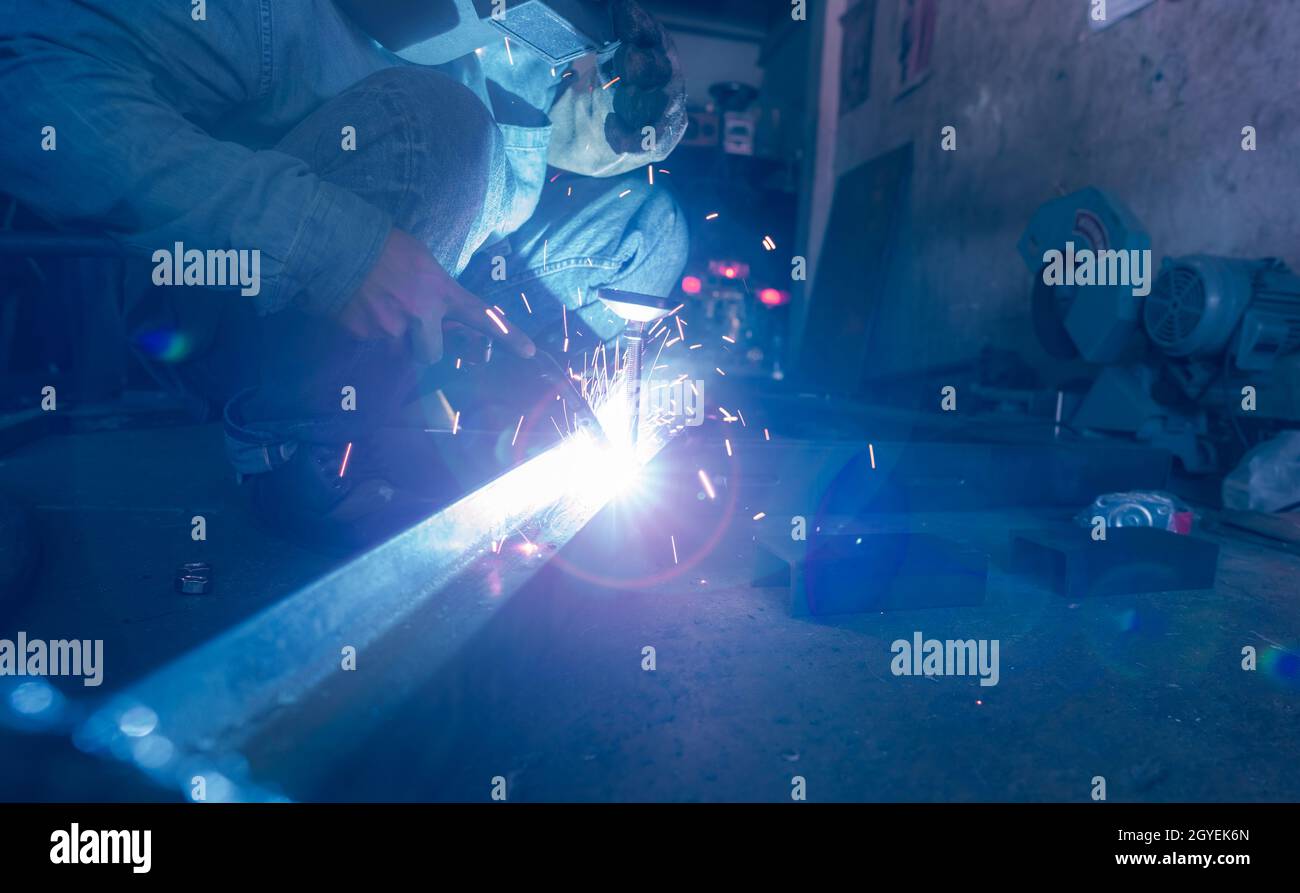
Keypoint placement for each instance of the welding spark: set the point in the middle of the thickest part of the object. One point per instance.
(695, 347)
(766, 435)
(760, 516)
(707, 484)
(768, 243)
(719, 371)
(612, 83)
(624, 193)
(672, 539)
(446, 406)
(728, 339)
(527, 306)
(347, 454)
(650, 168)
(713, 216)
(496, 319)
(742, 418)
(871, 449)
(509, 54)
(517, 427)
(455, 423)
(727, 441)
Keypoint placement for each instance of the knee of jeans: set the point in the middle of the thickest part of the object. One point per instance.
(662, 222)
(443, 115)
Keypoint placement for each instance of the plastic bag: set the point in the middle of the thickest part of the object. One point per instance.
(1267, 479)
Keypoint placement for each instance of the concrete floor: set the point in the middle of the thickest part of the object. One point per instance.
(1146, 691)
(114, 511)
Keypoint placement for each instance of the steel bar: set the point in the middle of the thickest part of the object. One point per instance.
(430, 589)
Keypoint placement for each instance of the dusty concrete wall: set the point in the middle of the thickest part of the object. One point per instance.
(1151, 108)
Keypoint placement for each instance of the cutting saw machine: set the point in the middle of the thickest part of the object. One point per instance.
(1175, 361)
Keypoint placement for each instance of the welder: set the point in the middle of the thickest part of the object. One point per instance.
(386, 189)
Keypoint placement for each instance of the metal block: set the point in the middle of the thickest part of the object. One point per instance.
(850, 573)
(1131, 559)
(854, 479)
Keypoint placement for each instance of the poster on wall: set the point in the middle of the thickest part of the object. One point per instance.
(916, 20)
(855, 56)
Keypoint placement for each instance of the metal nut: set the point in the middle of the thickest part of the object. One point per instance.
(191, 585)
(194, 578)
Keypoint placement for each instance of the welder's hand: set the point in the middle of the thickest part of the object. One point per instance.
(650, 91)
(409, 288)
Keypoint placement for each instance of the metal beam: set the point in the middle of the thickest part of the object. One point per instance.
(406, 607)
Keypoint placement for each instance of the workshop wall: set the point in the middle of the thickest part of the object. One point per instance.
(1150, 108)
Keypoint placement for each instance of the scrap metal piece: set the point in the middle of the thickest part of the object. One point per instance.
(1130, 559)
(851, 573)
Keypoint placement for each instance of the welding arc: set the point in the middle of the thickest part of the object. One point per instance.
(729, 505)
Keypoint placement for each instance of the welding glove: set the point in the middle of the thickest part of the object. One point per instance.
(624, 110)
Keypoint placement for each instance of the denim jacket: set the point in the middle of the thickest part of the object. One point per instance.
(164, 129)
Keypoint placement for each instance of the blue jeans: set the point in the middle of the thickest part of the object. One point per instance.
(434, 157)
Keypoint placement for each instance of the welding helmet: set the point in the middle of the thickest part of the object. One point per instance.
(433, 32)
